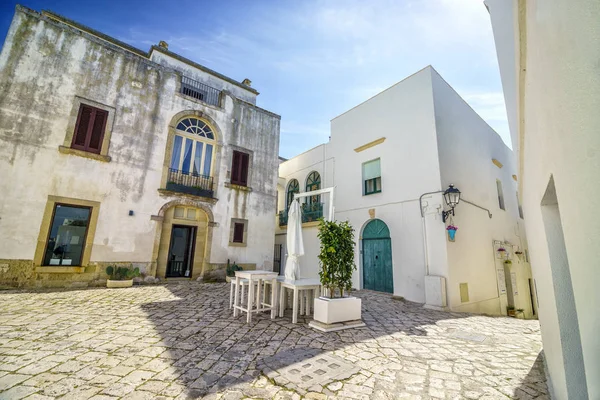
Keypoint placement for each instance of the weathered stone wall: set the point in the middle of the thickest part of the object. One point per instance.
(46, 68)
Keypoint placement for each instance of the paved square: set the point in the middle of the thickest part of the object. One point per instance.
(180, 341)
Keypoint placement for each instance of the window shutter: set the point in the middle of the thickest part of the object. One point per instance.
(371, 170)
(244, 159)
(97, 131)
(238, 233)
(235, 167)
(81, 130)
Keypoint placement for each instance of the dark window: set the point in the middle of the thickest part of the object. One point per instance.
(239, 168)
(293, 187)
(373, 186)
(500, 194)
(66, 239)
(238, 232)
(89, 129)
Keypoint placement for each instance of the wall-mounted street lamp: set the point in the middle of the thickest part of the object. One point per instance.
(452, 197)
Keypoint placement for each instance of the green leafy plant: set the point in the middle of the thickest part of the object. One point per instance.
(116, 273)
(337, 256)
(507, 262)
(231, 268)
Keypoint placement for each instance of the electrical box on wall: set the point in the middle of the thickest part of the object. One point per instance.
(435, 292)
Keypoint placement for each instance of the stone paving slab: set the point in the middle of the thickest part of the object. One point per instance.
(180, 341)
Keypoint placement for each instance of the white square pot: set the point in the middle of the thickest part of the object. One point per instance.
(331, 311)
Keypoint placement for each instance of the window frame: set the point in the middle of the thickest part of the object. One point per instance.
(237, 176)
(235, 222)
(195, 139)
(45, 230)
(289, 196)
(84, 240)
(238, 232)
(315, 178)
(500, 191)
(90, 129)
(376, 181)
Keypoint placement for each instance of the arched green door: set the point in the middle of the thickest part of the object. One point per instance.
(377, 257)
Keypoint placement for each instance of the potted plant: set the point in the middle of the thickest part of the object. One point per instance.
(520, 313)
(451, 232)
(336, 260)
(230, 271)
(511, 311)
(508, 262)
(501, 249)
(121, 277)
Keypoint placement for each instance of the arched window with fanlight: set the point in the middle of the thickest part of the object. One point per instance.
(193, 147)
(293, 187)
(313, 182)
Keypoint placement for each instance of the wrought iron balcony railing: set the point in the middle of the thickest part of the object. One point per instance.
(190, 183)
(200, 91)
(310, 212)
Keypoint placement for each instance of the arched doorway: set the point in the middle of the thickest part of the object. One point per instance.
(377, 257)
(182, 244)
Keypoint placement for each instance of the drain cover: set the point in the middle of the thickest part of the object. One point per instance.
(473, 337)
(304, 368)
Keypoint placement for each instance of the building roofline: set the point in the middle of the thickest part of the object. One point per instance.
(201, 67)
(384, 90)
(135, 50)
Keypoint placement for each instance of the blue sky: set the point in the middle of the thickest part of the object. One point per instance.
(311, 60)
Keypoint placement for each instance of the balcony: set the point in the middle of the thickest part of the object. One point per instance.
(190, 183)
(200, 91)
(311, 212)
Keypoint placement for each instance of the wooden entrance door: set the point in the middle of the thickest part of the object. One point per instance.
(377, 257)
(181, 252)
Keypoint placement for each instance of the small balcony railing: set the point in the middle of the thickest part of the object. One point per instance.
(200, 91)
(310, 212)
(190, 183)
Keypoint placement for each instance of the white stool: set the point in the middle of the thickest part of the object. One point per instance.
(243, 284)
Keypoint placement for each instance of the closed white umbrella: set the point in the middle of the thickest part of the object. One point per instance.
(295, 244)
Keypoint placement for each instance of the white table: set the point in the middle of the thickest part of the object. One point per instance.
(299, 286)
(254, 276)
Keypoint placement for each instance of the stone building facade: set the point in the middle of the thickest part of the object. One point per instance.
(111, 155)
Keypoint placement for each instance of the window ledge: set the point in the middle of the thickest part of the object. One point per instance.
(60, 270)
(81, 153)
(370, 193)
(238, 187)
(235, 244)
(166, 192)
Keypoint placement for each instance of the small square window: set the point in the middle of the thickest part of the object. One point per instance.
(191, 213)
(238, 235)
(89, 129)
(179, 212)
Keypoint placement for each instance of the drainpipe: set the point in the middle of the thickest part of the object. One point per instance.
(425, 250)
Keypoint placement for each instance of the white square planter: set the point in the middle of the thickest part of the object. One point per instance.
(332, 311)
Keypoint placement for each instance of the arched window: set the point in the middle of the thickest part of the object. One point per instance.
(193, 146)
(293, 187)
(313, 182)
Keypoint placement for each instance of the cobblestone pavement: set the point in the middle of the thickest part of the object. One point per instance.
(181, 341)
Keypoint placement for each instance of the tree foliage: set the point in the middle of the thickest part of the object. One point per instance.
(337, 256)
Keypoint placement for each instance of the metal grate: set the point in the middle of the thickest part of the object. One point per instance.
(200, 91)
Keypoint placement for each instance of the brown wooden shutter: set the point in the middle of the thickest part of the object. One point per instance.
(235, 167)
(238, 232)
(81, 129)
(97, 132)
(245, 158)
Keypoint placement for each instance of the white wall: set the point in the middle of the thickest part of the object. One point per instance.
(467, 145)
(559, 88)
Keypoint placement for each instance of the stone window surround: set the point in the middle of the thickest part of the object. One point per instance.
(45, 230)
(65, 148)
(250, 153)
(231, 230)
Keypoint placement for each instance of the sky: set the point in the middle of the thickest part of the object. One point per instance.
(311, 60)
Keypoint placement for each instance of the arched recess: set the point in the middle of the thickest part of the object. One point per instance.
(216, 144)
(377, 262)
(313, 182)
(199, 224)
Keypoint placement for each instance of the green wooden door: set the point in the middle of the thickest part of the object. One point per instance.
(377, 257)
